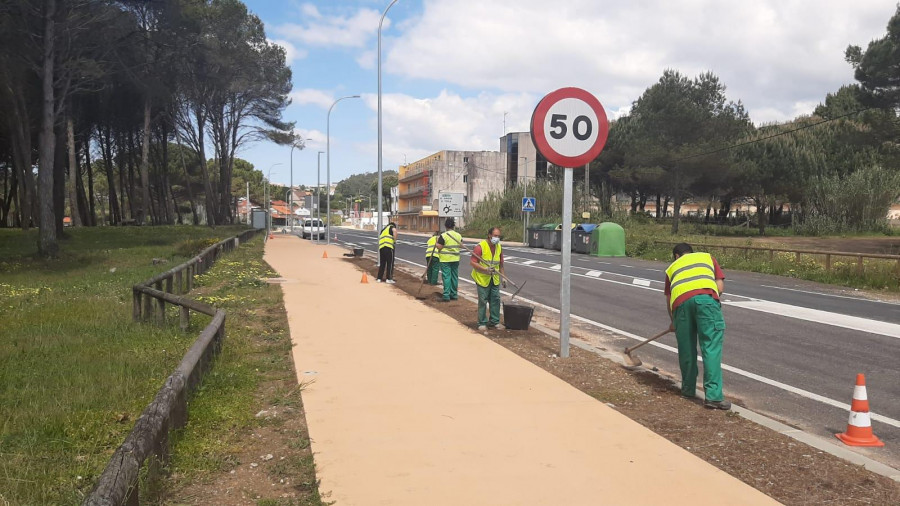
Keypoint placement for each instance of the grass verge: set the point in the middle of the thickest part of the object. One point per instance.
(75, 372)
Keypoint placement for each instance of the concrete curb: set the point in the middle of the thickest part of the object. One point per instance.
(760, 419)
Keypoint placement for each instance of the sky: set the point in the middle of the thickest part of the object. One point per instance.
(454, 70)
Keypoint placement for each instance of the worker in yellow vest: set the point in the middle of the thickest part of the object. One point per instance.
(432, 262)
(487, 266)
(386, 253)
(694, 282)
(448, 246)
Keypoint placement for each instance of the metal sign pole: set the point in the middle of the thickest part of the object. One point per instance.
(566, 278)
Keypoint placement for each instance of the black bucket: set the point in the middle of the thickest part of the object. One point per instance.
(517, 317)
(357, 252)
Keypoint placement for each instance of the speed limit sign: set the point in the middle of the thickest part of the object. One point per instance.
(569, 127)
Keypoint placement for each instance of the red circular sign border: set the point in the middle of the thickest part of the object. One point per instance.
(540, 139)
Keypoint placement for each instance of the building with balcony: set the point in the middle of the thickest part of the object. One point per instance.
(475, 174)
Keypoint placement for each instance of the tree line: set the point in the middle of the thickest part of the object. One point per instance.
(836, 169)
(132, 111)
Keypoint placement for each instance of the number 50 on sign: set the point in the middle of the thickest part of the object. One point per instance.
(569, 127)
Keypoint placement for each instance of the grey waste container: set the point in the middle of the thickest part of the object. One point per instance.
(581, 238)
(535, 239)
(550, 235)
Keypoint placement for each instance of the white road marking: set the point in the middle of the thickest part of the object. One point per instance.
(818, 316)
(641, 282)
(860, 299)
(529, 262)
(555, 267)
(594, 274)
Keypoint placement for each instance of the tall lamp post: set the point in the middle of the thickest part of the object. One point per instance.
(299, 145)
(380, 23)
(328, 165)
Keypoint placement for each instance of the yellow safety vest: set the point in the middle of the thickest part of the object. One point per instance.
(429, 251)
(692, 271)
(386, 240)
(450, 251)
(488, 261)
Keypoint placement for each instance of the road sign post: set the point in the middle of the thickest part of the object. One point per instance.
(569, 127)
(450, 205)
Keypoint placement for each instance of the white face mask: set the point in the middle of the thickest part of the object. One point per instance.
(495, 240)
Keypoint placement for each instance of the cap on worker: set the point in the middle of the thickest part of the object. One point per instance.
(450, 223)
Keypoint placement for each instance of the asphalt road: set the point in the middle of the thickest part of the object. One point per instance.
(792, 349)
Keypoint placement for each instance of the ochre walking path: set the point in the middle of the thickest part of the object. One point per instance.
(406, 406)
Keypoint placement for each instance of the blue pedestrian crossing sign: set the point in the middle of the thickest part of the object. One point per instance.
(528, 204)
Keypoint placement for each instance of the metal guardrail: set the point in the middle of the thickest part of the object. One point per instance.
(860, 266)
(149, 438)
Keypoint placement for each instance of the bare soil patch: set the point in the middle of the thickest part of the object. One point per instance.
(787, 470)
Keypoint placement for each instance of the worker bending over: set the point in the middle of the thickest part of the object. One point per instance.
(694, 282)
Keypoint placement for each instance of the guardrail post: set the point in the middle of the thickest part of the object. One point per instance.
(161, 305)
(771, 255)
(827, 262)
(169, 284)
(136, 309)
(190, 278)
(148, 307)
(798, 255)
(859, 265)
(185, 318)
(179, 281)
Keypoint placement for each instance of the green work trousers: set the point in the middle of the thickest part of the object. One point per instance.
(434, 268)
(450, 272)
(489, 295)
(700, 319)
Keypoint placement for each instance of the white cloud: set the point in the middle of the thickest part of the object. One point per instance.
(313, 140)
(291, 52)
(417, 127)
(310, 10)
(352, 31)
(779, 58)
(367, 59)
(305, 96)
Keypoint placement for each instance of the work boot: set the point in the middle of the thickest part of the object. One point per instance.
(482, 328)
(723, 405)
(499, 326)
(390, 281)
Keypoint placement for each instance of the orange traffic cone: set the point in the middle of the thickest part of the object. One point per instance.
(365, 279)
(859, 427)
(324, 254)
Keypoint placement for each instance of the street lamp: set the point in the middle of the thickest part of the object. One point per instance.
(328, 164)
(300, 145)
(380, 23)
(319, 190)
(266, 200)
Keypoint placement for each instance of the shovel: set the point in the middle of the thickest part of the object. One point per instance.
(633, 362)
